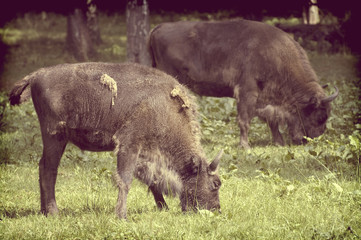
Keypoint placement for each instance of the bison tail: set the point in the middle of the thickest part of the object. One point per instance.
(20, 93)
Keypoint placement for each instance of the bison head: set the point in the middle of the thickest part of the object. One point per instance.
(200, 189)
(311, 120)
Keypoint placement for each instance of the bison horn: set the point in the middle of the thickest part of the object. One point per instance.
(330, 98)
(214, 164)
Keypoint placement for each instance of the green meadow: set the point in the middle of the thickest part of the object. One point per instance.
(311, 191)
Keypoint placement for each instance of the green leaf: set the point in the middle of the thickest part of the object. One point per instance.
(354, 141)
(289, 156)
(313, 153)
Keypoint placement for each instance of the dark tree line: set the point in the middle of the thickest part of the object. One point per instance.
(242, 7)
(83, 31)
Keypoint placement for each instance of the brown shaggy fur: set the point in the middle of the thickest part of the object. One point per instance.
(261, 66)
(152, 129)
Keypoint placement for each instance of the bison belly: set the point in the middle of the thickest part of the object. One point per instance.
(91, 140)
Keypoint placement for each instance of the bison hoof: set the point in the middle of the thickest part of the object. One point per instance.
(53, 212)
(244, 145)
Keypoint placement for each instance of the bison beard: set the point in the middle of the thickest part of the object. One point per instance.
(262, 67)
(144, 115)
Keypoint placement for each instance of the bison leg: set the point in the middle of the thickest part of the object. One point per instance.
(158, 197)
(243, 127)
(273, 115)
(125, 169)
(243, 123)
(276, 135)
(53, 149)
(246, 102)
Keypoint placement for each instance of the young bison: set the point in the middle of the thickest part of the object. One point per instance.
(143, 114)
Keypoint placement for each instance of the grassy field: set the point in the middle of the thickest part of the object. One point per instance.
(268, 192)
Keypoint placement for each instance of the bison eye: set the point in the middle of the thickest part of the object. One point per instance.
(308, 110)
(321, 117)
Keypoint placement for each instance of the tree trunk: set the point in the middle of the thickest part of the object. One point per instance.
(92, 22)
(314, 16)
(137, 17)
(78, 38)
(310, 13)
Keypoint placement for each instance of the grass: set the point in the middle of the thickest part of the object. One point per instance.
(267, 207)
(268, 192)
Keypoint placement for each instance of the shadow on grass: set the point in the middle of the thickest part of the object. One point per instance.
(17, 213)
(133, 214)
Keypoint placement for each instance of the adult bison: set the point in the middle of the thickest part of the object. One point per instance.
(261, 66)
(143, 114)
